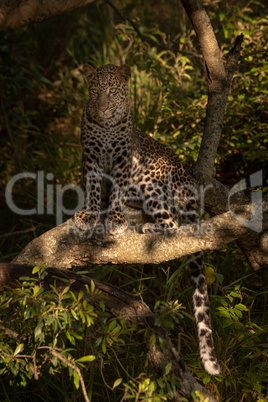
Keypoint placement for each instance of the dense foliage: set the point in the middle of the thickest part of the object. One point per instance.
(41, 100)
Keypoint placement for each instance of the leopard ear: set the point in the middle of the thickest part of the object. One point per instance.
(123, 73)
(89, 72)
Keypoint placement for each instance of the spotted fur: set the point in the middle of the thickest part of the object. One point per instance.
(138, 168)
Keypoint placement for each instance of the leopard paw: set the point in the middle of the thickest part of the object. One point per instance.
(116, 223)
(85, 220)
(157, 228)
(152, 228)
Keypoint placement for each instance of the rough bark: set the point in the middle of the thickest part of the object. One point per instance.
(17, 13)
(203, 168)
(218, 76)
(65, 246)
(218, 79)
(214, 68)
(122, 305)
(254, 244)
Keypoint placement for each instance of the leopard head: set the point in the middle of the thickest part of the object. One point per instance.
(108, 91)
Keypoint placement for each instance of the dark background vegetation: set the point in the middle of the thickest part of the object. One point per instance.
(42, 93)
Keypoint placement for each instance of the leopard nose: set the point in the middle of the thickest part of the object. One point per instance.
(103, 108)
(103, 103)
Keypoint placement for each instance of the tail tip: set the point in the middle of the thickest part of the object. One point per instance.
(212, 367)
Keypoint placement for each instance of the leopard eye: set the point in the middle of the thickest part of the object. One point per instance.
(94, 91)
(112, 90)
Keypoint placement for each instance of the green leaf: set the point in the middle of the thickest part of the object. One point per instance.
(117, 382)
(241, 307)
(38, 331)
(36, 269)
(152, 340)
(223, 312)
(70, 337)
(238, 313)
(206, 379)
(102, 305)
(36, 290)
(235, 294)
(104, 345)
(112, 325)
(76, 335)
(162, 342)
(65, 290)
(227, 323)
(152, 387)
(219, 277)
(76, 379)
(168, 368)
(19, 348)
(54, 361)
(75, 316)
(210, 274)
(88, 358)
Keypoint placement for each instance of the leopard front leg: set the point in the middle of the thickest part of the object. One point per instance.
(89, 216)
(116, 221)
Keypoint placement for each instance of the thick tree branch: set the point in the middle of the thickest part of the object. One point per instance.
(219, 77)
(65, 246)
(214, 68)
(120, 304)
(203, 170)
(253, 244)
(218, 82)
(17, 13)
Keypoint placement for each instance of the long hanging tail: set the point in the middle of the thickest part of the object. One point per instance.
(201, 313)
(200, 295)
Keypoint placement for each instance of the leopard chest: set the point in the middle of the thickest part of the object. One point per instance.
(106, 147)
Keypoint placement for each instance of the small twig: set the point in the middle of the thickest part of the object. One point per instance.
(18, 232)
(144, 38)
(69, 364)
(123, 368)
(252, 53)
(17, 356)
(102, 376)
(125, 394)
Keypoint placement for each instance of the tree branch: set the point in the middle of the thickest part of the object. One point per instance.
(69, 364)
(253, 53)
(122, 305)
(218, 83)
(17, 13)
(65, 246)
(214, 68)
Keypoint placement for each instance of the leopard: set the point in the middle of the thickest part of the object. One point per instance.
(138, 168)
